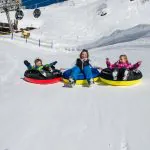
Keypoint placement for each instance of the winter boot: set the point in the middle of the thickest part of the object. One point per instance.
(126, 74)
(90, 82)
(115, 74)
(71, 81)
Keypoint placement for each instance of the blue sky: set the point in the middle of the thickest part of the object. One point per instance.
(31, 4)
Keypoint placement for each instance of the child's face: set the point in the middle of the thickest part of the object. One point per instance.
(38, 64)
(84, 55)
(122, 59)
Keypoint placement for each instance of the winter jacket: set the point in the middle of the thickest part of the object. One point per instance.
(120, 65)
(40, 68)
(82, 63)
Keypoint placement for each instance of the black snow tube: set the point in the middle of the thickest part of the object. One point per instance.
(134, 78)
(34, 76)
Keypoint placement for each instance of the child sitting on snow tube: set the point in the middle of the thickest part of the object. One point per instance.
(43, 69)
(82, 66)
(122, 67)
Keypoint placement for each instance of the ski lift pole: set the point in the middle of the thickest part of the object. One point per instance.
(9, 21)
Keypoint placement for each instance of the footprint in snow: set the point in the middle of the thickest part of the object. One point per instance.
(124, 146)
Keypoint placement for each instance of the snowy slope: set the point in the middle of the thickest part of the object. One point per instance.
(35, 117)
(52, 117)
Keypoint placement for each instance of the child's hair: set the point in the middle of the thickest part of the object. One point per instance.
(125, 57)
(84, 50)
(37, 60)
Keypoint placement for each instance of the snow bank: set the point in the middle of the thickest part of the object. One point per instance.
(120, 36)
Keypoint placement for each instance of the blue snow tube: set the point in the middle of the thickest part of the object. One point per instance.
(81, 77)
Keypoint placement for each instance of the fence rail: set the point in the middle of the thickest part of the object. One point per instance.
(39, 42)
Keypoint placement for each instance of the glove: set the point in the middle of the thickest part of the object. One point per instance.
(139, 62)
(27, 63)
(53, 63)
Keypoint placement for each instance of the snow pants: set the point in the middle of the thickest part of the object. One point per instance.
(87, 71)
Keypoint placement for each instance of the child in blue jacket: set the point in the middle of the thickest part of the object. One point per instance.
(82, 65)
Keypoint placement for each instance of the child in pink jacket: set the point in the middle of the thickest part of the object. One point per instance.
(122, 66)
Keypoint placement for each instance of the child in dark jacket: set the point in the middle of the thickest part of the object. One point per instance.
(82, 65)
(122, 66)
(40, 67)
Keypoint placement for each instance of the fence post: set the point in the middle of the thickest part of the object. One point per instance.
(52, 44)
(12, 36)
(39, 42)
(26, 40)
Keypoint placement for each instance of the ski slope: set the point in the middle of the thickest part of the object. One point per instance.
(36, 117)
(53, 117)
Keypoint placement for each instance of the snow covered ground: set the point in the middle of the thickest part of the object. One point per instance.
(78, 22)
(53, 117)
(36, 117)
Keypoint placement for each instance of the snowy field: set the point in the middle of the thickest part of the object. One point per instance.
(50, 117)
